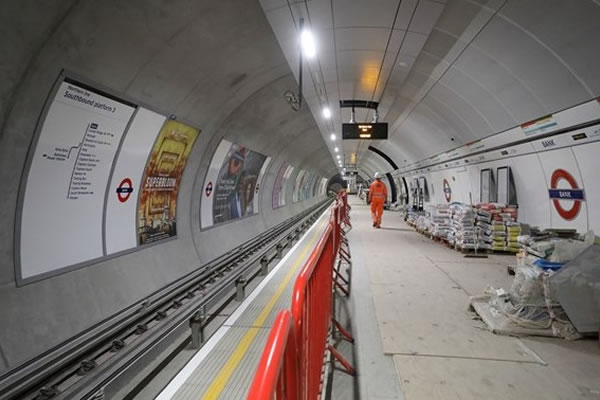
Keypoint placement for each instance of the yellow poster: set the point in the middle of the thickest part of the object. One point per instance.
(157, 208)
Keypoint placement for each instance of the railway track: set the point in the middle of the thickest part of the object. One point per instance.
(96, 363)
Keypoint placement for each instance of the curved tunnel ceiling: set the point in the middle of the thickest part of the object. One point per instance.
(197, 61)
(214, 65)
(445, 72)
(208, 64)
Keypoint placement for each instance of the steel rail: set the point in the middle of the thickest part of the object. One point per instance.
(82, 366)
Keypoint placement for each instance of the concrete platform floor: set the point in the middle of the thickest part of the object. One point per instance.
(416, 339)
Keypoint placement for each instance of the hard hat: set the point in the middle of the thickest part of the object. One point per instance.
(377, 175)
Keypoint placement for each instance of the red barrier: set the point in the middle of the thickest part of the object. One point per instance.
(277, 371)
(311, 313)
(336, 221)
(342, 199)
(311, 309)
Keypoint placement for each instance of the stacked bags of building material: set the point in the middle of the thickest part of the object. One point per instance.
(423, 224)
(509, 216)
(497, 227)
(487, 234)
(498, 236)
(439, 216)
(463, 222)
(411, 217)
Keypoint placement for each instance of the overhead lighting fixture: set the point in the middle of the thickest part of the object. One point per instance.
(338, 156)
(332, 136)
(336, 149)
(402, 64)
(326, 112)
(307, 41)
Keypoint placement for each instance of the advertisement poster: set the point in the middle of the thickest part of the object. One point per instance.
(232, 184)
(298, 186)
(310, 192)
(315, 187)
(63, 201)
(158, 197)
(237, 184)
(286, 183)
(323, 187)
(305, 187)
(278, 193)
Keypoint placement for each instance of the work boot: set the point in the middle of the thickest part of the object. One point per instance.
(374, 224)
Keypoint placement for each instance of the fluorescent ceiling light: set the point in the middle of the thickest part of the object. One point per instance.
(336, 149)
(326, 112)
(307, 42)
(338, 156)
(332, 137)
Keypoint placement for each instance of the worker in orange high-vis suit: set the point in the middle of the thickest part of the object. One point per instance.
(377, 197)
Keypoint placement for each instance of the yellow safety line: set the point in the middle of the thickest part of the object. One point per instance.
(218, 384)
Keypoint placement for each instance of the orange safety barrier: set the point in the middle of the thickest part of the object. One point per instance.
(311, 319)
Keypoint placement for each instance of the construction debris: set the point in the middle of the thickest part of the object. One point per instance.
(531, 306)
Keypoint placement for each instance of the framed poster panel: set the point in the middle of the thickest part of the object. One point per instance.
(506, 190)
(487, 190)
(232, 184)
(157, 205)
(66, 179)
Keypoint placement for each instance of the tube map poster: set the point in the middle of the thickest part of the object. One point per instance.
(157, 212)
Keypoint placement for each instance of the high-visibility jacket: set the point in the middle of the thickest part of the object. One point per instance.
(378, 190)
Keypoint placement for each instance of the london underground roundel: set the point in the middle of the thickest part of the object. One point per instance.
(559, 192)
(124, 190)
(447, 191)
